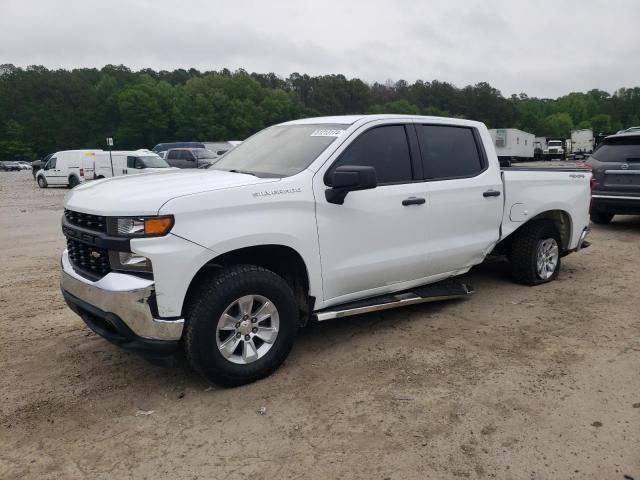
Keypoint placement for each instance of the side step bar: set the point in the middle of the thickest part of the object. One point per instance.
(429, 293)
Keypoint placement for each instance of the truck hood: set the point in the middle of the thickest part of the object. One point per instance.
(144, 194)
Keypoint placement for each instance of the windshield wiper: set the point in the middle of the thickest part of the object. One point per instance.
(246, 172)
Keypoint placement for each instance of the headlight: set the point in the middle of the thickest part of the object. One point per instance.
(143, 226)
(129, 261)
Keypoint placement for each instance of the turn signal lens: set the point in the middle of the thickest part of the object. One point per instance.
(157, 225)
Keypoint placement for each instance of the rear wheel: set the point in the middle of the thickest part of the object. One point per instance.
(535, 253)
(42, 182)
(73, 181)
(241, 325)
(601, 218)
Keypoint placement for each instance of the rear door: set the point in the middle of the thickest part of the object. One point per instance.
(465, 197)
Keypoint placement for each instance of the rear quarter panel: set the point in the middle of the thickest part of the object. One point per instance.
(528, 193)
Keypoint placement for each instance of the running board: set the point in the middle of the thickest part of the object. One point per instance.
(429, 293)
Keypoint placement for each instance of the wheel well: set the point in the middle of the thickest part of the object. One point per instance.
(560, 219)
(562, 222)
(284, 261)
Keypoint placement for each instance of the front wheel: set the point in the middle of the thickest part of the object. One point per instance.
(535, 253)
(601, 218)
(241, 325)
(42, 182)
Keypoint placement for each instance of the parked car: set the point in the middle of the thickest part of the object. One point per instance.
(616, 177)
(24, 165)
(120, 163)
(162, 148)
(190, 157)
(10, 166)
(67, 168)
(309, 220)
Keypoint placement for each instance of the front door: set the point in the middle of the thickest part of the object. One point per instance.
(53, 174)
(375, 242)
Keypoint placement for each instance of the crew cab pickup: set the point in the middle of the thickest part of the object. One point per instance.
(307, 220)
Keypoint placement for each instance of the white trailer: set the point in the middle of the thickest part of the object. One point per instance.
(582, 141)
(513, 144)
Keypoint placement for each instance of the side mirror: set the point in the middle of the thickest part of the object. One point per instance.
(505, 163)
(349, 178)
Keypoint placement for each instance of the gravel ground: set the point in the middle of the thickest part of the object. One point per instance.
(512, 383)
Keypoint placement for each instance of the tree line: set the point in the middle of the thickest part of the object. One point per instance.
(43, 110)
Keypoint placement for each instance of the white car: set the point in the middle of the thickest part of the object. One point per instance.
(308, 220)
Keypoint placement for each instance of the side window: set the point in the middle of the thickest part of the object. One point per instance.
(139, 163)
(131, 162)
(173, 154)
(385, 148)
(449, 152)
(51, 163)
(187, 155)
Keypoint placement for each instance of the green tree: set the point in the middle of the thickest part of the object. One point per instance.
(558, 125)
(601, 124)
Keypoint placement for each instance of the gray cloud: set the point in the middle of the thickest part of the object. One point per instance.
(543, 47)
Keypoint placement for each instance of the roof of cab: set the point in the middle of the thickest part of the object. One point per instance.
(351, 119)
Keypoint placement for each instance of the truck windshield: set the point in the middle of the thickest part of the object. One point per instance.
(153, 161)
(555, 144)
(280, 151)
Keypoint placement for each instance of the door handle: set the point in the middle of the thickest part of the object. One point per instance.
(491, 193)
(413, 201)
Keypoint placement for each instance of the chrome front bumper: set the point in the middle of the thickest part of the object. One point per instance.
(127, 297)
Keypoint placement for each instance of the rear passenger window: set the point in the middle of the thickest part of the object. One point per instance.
(173, 154)
(448, 152)
(131, 162)
(385, 148)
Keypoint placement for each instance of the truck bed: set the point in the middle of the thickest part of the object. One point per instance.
(530, 191)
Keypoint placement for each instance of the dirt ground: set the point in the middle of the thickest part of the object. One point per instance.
(512, 383)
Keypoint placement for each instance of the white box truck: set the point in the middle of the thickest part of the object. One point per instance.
(582, 141)
(513, 144)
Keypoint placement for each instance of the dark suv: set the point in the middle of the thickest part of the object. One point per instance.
(616, 174)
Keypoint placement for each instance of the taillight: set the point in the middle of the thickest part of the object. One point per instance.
(82, 172)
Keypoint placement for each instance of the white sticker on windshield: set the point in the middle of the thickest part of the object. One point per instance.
(326, 133)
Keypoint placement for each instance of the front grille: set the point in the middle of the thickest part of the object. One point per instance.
(85, 220)
(89, 258)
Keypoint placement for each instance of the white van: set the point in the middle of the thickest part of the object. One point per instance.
(67, 168)
(119, 163)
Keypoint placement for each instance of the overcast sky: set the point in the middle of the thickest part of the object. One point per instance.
(543, 48)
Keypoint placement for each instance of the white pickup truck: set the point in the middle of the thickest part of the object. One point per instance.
(308, 220)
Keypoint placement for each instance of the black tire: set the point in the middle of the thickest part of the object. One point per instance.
(73, 181)
(208, 304)
(601, 218)
(524, 251)
(42, 182)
